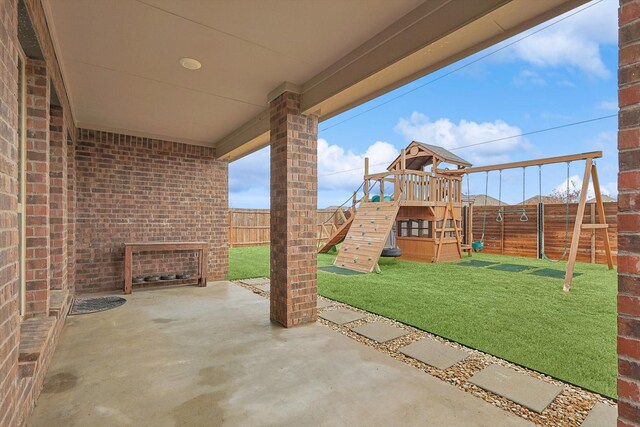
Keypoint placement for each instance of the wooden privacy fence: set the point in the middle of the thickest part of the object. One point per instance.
(514, 237)
(250, 227)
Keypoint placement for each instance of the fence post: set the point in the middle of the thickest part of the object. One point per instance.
(231, 230)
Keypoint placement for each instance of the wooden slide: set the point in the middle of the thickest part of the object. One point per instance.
(367, 236)
(338, 236)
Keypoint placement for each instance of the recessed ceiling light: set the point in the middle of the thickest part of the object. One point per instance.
(190, 63)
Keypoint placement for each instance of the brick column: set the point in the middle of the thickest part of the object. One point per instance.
(37, 212)
(58, 198)
(293, 212)
(629, 215)
(71, 212)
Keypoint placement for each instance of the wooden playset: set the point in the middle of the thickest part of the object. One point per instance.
(423, 217)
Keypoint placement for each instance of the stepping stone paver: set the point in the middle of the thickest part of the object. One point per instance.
(601, 415)
(380, 331)
(256, 281)
(521, 388)
(266, 287)
(341, 316)
(323, 304)
(434, 353)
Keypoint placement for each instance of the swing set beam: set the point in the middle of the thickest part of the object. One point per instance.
(590, 173)
(536, 162)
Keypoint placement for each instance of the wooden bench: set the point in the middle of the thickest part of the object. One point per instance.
(201, 247)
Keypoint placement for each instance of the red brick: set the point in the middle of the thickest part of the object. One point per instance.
(628, 180)
(629, 95)
(629, 305)
(629, 54)
(629, 12)
(628, 263)
(629, 347)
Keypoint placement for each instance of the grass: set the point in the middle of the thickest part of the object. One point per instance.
(520, 317)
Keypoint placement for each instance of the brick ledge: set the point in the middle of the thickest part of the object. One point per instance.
(35, 333)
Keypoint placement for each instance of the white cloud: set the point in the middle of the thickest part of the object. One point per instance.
(610, 189)
(250, 172)
(334, 160)
(573, 43)
(445, 133)
(249, 177)
(575, 186)
(608, 105)
(529, 77)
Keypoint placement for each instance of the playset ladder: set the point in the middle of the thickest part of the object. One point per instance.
(367, 236)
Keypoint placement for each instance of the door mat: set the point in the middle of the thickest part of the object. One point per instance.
(513, 268)
(94, 305)
(338, 270)
(550, 272)
(476, 263)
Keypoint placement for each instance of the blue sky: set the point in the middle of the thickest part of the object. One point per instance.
(555, 76)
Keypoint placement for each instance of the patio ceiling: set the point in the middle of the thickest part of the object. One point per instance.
(120, 59)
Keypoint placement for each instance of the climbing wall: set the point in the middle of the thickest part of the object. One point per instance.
(367, 236)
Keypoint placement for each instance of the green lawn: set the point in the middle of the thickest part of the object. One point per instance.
(520, 317)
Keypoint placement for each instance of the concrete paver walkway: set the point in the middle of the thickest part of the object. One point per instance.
(531, 392)
(379, 331)
(434, 353)
(601, 415)
(341, 316)
(209, 356)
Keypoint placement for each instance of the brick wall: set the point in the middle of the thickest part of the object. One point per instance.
(293, 212)
(138, 189)
(629, 215)
(9, 329)
(37, 213)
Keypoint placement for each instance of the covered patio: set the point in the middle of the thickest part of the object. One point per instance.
(118, 123)
(195, 357)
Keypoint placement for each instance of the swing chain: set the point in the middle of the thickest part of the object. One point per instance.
(486, 195)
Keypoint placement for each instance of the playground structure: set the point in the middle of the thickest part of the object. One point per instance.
(425, 206)
(431, 223)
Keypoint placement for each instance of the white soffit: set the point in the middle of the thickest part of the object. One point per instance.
(120, 58)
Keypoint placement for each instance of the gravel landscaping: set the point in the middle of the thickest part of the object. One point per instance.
(570, 408)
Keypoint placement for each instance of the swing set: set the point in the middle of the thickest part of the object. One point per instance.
(570, 250)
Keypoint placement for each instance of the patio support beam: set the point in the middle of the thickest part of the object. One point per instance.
(294, 139)
(629, 214)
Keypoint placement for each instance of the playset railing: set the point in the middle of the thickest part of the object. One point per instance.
(416, 186)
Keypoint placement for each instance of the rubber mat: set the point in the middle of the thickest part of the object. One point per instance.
(550, 272)
(94, 305)
(339, 270)
(513, 268)
(476, 263)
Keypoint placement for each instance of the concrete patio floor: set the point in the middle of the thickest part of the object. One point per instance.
(210, 356)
